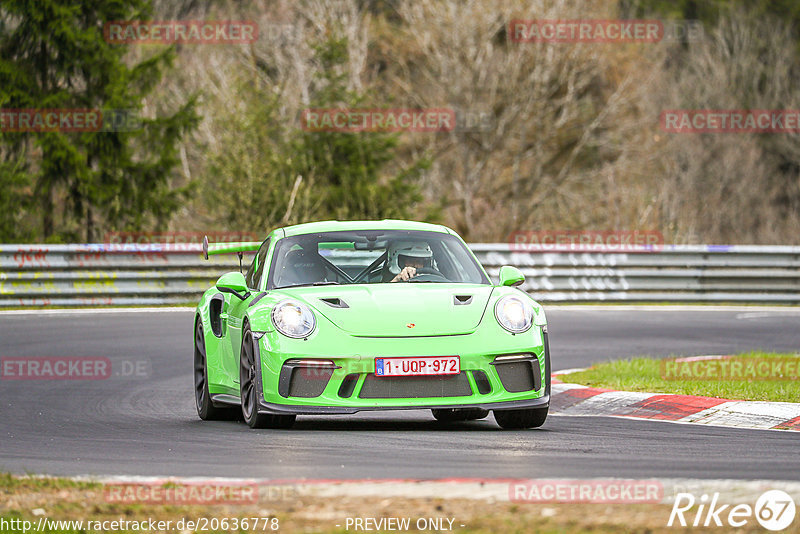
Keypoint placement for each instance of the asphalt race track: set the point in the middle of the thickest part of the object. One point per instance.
(147, 425)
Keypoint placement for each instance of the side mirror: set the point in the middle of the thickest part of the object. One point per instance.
(511, 276)
(234, 283)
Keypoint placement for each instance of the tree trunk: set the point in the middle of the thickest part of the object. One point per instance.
(47, 212)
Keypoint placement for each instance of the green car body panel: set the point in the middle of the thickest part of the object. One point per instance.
(379, 320)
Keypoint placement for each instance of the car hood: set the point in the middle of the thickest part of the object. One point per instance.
(400, 309)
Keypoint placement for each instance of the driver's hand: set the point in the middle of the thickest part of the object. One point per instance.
(406, 274)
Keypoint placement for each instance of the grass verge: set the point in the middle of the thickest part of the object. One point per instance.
(35, 499)
(650, 375)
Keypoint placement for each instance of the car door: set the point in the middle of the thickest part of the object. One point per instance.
(238, 308)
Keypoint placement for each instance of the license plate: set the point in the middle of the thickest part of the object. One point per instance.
(418, 366)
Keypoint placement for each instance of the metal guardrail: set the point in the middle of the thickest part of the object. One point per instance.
(64, 275)
(675, 273)
(101, 274)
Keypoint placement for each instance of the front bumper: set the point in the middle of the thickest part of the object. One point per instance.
(477, 351)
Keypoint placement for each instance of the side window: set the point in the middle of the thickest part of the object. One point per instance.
(257, 268)
(248, 276)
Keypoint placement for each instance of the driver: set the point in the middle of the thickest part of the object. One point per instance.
(405, 258)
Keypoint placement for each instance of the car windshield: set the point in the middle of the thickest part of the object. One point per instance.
(372, 257)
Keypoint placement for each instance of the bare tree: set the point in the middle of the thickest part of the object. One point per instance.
(549, 135)
(732, 187)
(562, 115)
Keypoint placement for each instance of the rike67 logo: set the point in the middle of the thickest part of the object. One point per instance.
(774, 510)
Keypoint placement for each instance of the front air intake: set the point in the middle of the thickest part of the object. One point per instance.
(518, 373)
(348, 386)
(482, 382)
(305, 378)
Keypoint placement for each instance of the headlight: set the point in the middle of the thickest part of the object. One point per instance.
(514, 314)
(293, 319)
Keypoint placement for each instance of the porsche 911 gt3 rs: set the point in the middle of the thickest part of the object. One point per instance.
(339, 317)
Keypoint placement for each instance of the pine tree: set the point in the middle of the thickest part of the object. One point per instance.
(53, 55)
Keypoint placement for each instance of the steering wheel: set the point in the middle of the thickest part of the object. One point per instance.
(425, 274)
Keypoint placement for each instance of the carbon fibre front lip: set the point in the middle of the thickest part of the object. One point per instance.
(269, 408)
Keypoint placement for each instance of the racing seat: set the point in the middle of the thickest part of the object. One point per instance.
(301, 267)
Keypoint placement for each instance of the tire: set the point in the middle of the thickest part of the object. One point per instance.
(454, 415)
(202, 398)
(249, 385)
(519, 419)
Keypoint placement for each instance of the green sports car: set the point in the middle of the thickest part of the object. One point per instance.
(339, 317)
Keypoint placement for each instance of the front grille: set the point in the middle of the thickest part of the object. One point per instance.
(415, 387)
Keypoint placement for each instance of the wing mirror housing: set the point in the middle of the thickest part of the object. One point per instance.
(511, 276)
(233, 283)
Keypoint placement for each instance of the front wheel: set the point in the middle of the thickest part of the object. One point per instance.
(518, 419)
(249, 387)
(454, 415)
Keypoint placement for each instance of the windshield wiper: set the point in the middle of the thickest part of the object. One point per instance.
(311, 284)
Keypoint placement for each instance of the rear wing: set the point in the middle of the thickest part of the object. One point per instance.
(228, 248)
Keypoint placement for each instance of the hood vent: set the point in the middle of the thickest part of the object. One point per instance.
(384, 310)
(335, 302)
(462, 300)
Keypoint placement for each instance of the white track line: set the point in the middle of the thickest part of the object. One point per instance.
(468, 488)
(672, 307)
(788, 310)
(84, 311)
